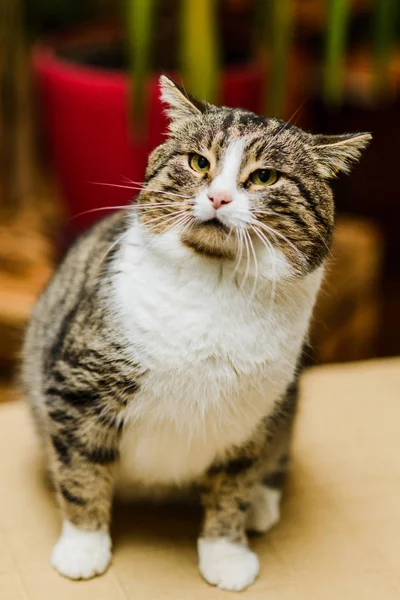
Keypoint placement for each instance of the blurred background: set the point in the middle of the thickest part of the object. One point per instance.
(80, 111)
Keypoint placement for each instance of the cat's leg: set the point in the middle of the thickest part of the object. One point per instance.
(244, 493)
(264, 511)
(82, 455)
(225, 559)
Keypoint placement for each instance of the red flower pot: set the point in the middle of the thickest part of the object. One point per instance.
(85, 114)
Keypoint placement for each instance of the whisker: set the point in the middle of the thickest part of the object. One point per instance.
(178, 219)
(183, 220)
(278, 234)
(189, 220)
(147, 204)
(263, 238)
(239, 252)
(139, 187)
(127, 180)
(315, 230)
(99, 208)
(166, 218)
(229, 234)
(128, 207)
(273, 212)
(295, 112)
(190, 223)
(284, 126)
(167, 210)
(247, 270)
(171, 227)
(119, 238)
(255, 265)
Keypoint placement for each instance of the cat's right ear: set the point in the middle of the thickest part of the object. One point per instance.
(181, 105)
(337, 153)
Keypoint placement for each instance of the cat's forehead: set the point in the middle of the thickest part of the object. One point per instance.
(216, 130)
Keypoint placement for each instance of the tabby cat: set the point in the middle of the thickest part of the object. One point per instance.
(165, 350)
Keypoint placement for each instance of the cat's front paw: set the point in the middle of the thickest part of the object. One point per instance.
(80, 554)
(227, 565)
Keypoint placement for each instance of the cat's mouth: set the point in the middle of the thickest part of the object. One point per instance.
(215, 224)
(210, 238)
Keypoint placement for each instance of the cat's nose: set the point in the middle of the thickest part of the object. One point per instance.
(219, 198)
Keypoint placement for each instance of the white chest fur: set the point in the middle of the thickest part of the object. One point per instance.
(217, 358)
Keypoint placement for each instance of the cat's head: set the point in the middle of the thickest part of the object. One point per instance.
(228, 182)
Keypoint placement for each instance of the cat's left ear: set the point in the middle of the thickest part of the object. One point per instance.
(181, 105)
(337, 153)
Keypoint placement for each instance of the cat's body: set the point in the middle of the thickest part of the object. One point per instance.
(226, 353)
(159, 357)
(233, 359)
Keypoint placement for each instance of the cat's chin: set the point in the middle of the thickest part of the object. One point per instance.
(212, 239)
(214, 224)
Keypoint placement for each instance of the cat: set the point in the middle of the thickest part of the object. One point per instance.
(166, 348)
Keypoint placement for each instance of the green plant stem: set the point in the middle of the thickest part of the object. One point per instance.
(199, 55)
(140, 23)
(338, 17)
(385, 21)
(281, 29)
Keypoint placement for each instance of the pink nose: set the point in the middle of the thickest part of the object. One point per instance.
(219, 198)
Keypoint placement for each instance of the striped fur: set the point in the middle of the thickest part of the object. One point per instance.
(167, 345)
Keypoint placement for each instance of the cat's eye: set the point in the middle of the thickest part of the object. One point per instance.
(199, 163)
(264, 177)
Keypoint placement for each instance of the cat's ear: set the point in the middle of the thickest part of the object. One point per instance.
(337, 153)
(181, 105)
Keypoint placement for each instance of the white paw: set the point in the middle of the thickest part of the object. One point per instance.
(226, 565)
(264, 512)
(81, 554)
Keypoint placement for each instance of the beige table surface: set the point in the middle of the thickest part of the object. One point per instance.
(339, 537)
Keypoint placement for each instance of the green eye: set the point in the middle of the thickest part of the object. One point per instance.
(199, 163)
(264, 177)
